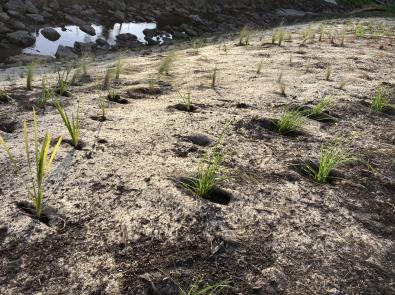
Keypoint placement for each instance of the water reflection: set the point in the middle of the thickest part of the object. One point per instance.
(73, 34)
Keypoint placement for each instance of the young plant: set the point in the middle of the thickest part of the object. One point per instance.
(102, 106)
(209, 172)
(198, 288)
(214, 77)
(291, 60)
(331, 156)
(73, 126)
(328, 72)
(186, 100)
(245, 35)
(260, 66)
(29, 78)
(166, 64)
(280, 36)
(46, 93)
(322, 31)
(42, 163)
(342, 38)
(343, 84)
(118, 69)
(4, 97)
(381, 100)
(196, 45)
(324, 105)
(108, 77)
(360, 31)
(63, 82)
(290, 121)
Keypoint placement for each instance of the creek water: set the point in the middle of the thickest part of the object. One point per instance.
(71, 34)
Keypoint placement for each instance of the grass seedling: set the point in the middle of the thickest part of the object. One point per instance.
(108, 77)
(63, 82)
(198, 288)
(226, 49)
(46, 93)
(186, 100)
(343, 84)
(280, 78)
(290, 60)
(42, 163)
(290, 121)
(245, 35)
(342, 38)
(260, 66)
(331, 156)
(102, 106)
(4, 96)
(196, 45)
(29, 78)
(209, 172)
(381, 100)
(360, 31)
(73, 126)
(324, 105)
(118, 69)
(214, 77)
(166, 64)
(328, 72)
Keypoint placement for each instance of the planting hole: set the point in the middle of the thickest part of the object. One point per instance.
(28, 209)
(117, 99)
(199, 139)
(8, 126)
(184, 108)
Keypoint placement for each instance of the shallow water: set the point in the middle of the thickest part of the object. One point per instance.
(73, 34)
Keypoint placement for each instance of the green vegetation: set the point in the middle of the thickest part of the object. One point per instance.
(102, 106)
(46, 93)
(260, 66)
(381, 100)
(73, 126)
(245, 35)
(186, 100)
(324, 105)
(42, 163)
(209, 172)
(4, 96)
(290, 121)
(328, 72)
(63, 82)
(108, 77)
(118, 69)
(199, 288)
(166, 64)
(214, 77)
(331, 156)
(196, 45)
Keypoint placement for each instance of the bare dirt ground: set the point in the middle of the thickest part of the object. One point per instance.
(281, 233)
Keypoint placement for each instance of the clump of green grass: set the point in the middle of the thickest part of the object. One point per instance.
(186, 100)
(214, 77)
(342, 38)
(102, 106)
(308, 34)
(199, 288)
(29, 78)
(344, 82)
(278, 36)
(328, 72)
(118, 69)
(260, 66)
(324, 105)
(245, 36)
(360, 31)
(331, 156)
(63, 82)
(166, 64)
(290, 121)
(73, 125)
(196, 45)
(381, 99)
(108, 76)
(42, 163)
(209, 172)
(4, 97)
(46, 93)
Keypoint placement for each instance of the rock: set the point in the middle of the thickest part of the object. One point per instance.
(127, 41)
(30, 8)
(22, 38)
(81, 47)
(54, 4)
(50, 33)
(65, 52)
(151, 41)
(37, 18)
(15, 5)
(4, 29)
(17, 25)
(101, 42)
(74, 20)
(119, 15)
(88, 29)
(151, 32)
(4, 17)
(189, 30)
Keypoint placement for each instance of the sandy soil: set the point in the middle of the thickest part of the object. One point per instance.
(281, 233)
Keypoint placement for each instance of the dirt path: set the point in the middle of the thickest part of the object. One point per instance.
(281, 233)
